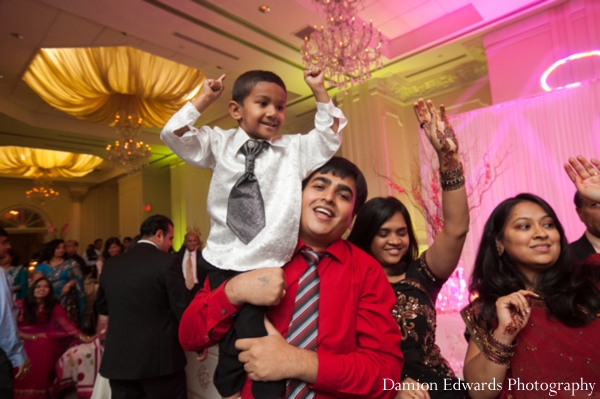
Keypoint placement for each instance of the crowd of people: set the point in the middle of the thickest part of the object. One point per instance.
(297, 311)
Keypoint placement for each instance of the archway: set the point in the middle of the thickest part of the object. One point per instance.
(26, 226)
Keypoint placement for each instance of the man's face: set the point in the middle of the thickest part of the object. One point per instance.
(327, 209)
(4, 246)
(191, 242)
(71, 247)
(589, 213)
(98, 244)
(165, 241)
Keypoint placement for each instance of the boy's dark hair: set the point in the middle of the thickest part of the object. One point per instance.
(246, 82)
(341, 167)
(153, 224)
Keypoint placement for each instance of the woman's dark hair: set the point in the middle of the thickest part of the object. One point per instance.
(48, 250)
(372, 216)
(30, 304)
(569, 294)
(108, 243)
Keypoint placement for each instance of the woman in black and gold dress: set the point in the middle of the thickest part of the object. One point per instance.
(384, 230)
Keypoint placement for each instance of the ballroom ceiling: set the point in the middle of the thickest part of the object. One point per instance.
(424, 38)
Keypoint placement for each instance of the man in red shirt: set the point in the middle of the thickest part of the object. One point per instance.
(358, 342)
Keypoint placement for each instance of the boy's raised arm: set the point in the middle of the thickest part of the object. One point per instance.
(211, 90)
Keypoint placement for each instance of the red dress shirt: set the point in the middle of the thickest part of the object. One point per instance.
(358, 340)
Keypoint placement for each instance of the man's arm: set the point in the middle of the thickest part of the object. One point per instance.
(179, 296)
(101, 304)
(210, 314)
(346, 374)
(9, 341)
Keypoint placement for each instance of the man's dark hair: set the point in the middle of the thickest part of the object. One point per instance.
(341, 167)
(246, 82)
(155, 223)
(126, 239)
(3, 233)
(578, 200)
(97, 239)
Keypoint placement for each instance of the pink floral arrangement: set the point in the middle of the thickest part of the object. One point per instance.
(58, 233)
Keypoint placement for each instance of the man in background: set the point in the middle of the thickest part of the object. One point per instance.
(143, 293)
(589, 213)
(189, 259)
(12, 352)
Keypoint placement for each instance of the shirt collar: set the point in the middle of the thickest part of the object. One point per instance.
(240, 137)
(147, 242)
(337, 249)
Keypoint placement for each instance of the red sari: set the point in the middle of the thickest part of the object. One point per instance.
(547, 352)
(58, 334)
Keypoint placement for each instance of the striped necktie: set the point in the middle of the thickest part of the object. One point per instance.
(303, 327)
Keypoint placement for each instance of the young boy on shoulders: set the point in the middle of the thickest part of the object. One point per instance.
(254, 198)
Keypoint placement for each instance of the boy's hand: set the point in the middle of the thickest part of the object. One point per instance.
(211, 90)
(315, 79)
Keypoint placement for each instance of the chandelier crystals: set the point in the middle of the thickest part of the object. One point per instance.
(42, 190)
(345, 49)
(128, 154)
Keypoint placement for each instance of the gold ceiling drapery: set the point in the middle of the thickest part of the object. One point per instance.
(94, 84)
(31, 161)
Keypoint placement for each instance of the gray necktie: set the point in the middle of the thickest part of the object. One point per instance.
(245, 208)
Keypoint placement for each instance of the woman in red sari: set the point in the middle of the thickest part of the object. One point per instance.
(47, 332)
(534, 327)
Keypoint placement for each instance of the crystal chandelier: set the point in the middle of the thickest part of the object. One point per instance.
(41, 191)
(128, 154)
(345, 49)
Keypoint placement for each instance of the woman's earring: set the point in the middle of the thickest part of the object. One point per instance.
(500, 250)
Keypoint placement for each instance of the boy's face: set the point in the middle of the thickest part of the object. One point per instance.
(327, 209)
(263, 112)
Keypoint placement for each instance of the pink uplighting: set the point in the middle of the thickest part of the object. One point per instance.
(563, 61)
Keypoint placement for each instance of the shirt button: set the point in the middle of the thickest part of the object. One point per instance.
(206, 336)
(223, 311)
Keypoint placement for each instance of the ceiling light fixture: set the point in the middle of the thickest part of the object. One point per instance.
(544, 78)
(131, 155)
(345, 49)
(42, 190)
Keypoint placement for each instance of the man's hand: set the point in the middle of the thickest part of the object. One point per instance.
(315, 79)
(271, 358)
(211, 90)
(585, 175)
(23, 369)
(260, 287)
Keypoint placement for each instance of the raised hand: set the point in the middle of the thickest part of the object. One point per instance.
(439, 132)
(513, 312)
(585, 176)
(212, 88)
(315, 79)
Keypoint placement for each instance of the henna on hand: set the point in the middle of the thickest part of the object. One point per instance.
(515, 324)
